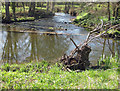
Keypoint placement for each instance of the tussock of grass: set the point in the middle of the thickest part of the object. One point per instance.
(42, 75)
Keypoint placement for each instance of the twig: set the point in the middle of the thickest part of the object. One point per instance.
(69, 70)
(74, 43)
(95, 30)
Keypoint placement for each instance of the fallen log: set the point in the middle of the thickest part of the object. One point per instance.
(47, 33)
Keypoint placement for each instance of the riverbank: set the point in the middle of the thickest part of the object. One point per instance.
(90, 22)
(24, 16)
(42, 75)
(91, 17)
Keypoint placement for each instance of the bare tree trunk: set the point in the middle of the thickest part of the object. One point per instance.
(17, 4)
(116, 16)
(13, 8)
(23, 6)
(3, 4)
(108, 10)
(117, 10)
(52, 6)
(38, 4)
(72, 3)
(47, 6)
(29, 8)
(32, 9)
(114, 7)
(7, 18)
(66, 7)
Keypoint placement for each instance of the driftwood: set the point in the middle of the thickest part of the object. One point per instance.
(79, 57)
(39, 32)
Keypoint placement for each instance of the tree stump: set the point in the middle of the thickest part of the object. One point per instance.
(78, 62)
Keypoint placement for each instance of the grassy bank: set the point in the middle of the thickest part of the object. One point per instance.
(90, 21)
(42, 75)
(90, 15)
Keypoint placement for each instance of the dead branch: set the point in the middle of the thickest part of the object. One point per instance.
(95, 30)
(115, 26)
(74, 43)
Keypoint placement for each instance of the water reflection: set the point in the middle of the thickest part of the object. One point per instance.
(102, 47)
(27, 47)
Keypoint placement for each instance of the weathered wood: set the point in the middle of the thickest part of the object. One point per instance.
(80, 61)
(51, 33)
(74, 43)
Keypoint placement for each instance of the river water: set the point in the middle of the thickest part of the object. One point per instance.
(18, 47)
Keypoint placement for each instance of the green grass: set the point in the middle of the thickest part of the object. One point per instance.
(110, 62)
(41, 8)
(58, 79)
(42, 75)
(97, 12)
(82, 15)
(17, 9)
(24, 18)
(86, 20)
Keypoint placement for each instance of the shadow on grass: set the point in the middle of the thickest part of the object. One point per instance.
(99, 67)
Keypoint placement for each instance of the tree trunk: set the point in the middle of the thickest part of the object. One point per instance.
(38, 4)
(66, 9)
(13, 8)
(108, 10)
(7, 18)
(17, 4)
(23, 6)
(47, 6)
(32, 9)
(3, 4)
(72, 3)
(52, 6)
(117, 13)
(117, 10)
(114, 7)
